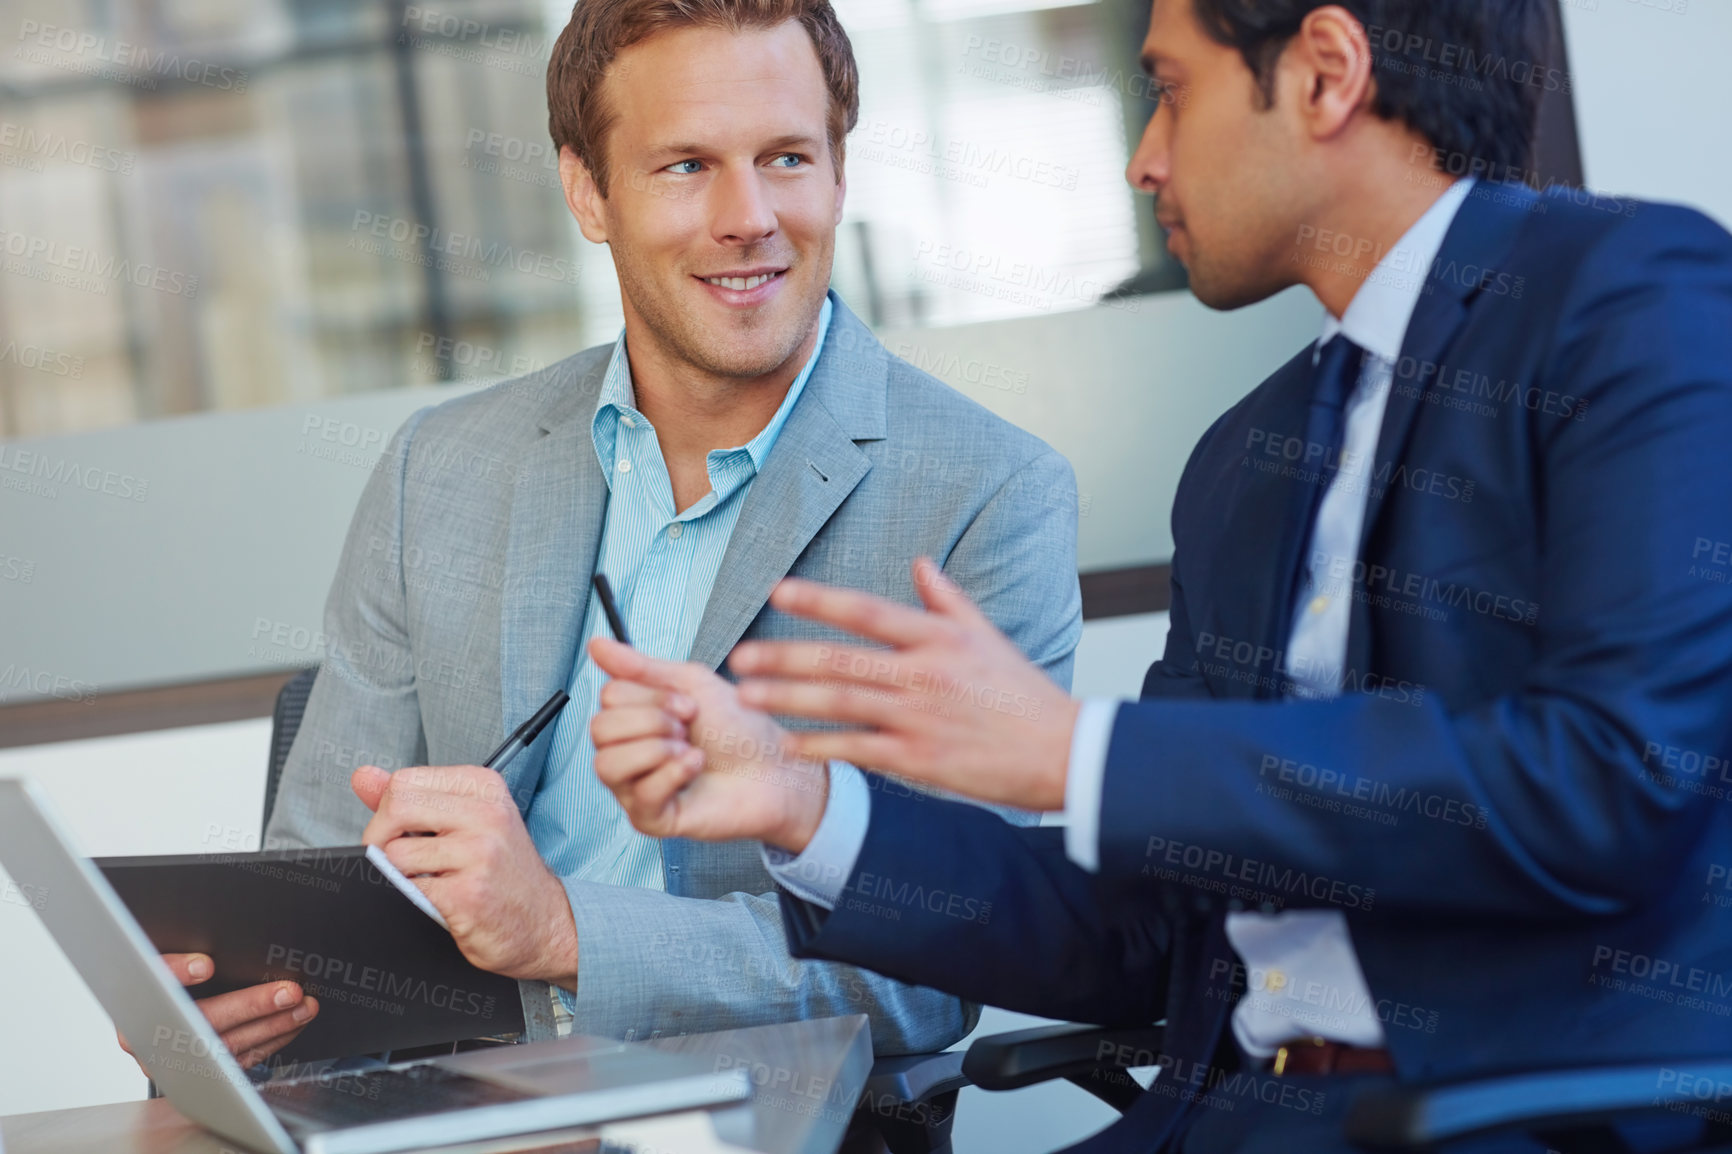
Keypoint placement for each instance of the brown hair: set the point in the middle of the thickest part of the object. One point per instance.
(578, 117)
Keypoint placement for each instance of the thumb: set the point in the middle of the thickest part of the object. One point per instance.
(628, 664)
(189, 969)
(369, 784)
(945, 597)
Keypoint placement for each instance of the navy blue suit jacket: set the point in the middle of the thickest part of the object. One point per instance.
(1523, 805)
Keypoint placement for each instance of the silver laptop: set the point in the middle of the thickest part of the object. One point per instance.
(437, 1102)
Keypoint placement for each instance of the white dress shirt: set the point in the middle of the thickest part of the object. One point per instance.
(1302, 977)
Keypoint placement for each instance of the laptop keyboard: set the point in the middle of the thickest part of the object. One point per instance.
(334, 1100)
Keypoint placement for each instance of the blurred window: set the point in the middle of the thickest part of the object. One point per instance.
(220, 204)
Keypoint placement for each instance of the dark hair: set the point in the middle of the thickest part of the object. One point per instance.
(1465, 74)
(578, 116)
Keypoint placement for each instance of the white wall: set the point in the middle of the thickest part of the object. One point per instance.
(240, 527)
(175, 791)
(1650, 98)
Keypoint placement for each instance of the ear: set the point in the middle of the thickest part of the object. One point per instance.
(1332, 56)
(841, 184)
(582, 196)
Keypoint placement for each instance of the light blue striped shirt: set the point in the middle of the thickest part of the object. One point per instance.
(662, 567)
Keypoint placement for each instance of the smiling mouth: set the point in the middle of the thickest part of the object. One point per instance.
(741, 283)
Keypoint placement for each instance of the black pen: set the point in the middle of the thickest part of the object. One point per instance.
(498, 760)
(527, 732)
(531, 729)
(614, 621)
(501, 757)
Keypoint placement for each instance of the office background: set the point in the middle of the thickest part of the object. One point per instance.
(329, 198)
(253, 236)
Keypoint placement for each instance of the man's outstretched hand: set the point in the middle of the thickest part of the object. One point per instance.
(255, 1022)
(951, 703)
(686, 759)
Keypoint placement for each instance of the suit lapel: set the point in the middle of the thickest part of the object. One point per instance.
(1479, 238)
(556, 518)
(1283, 502)
(1246, 514)
(811, 470)
(1481, 234)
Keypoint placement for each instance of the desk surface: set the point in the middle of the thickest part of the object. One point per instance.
(805, 1076)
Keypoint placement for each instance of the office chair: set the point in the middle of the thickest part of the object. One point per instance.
(285, 723)
(1568, 1108)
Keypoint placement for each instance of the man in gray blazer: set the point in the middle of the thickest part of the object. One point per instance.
(755, 429)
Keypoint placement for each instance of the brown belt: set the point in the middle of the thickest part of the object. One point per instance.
(1311, 1056)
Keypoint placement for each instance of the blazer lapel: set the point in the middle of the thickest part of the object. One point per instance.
(811, 470)
(556, 519)
(1481, 235)
(1244, 521)
(1281, 501)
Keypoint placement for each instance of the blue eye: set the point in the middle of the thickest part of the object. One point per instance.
(793, 156)
(677, 166)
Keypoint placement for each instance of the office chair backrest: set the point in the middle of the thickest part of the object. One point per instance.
(285, 723)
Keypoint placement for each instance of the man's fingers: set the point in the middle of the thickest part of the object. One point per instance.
(651, 793)
(430, 855)
(811, 659)
(617, 693)
(189, 969)
(435, 799)
(253, 1057)
(239, 1007)
(826, 703)
(628, 723)
(879, 751)
(261, 1038)
(942, 595)
(617, 659)
(624, 662)
(858, 613)
(255, 1022)
(369, 783)
(268, 1015)
(618, 766)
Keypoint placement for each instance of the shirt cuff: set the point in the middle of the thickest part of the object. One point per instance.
(819, 873)
(1084, 780)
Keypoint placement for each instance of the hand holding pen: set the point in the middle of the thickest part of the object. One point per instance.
(480, 871)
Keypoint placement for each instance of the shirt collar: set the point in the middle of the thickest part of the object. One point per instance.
(1377, 318)
(617, 403)
(759, 446)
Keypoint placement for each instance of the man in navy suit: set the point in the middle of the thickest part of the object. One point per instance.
(1435, 775)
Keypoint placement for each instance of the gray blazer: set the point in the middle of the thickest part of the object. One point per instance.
(457, 604)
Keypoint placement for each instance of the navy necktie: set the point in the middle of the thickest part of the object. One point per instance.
(1333, 382)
